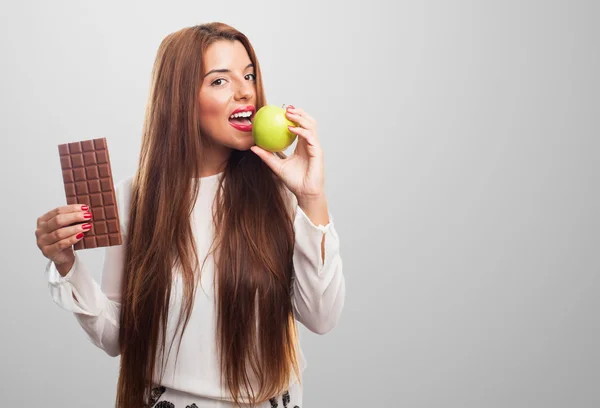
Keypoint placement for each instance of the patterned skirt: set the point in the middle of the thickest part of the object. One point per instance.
(163, 397)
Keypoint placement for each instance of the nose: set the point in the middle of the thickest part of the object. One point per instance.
(245, 91)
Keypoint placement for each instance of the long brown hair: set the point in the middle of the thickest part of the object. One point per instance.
(253, 246)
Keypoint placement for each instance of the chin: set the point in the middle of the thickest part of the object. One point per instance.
(233, 139)
(244, 143)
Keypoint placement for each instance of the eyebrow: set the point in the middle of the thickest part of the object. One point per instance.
(222, 70)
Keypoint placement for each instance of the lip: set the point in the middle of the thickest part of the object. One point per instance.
(244, 109)
(243, 128)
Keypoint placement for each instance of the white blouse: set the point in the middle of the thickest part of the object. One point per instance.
(318, 294)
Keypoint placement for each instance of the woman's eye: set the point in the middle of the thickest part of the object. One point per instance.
(251, 75)
(217, 82)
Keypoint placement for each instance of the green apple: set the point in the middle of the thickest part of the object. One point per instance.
(270, 129)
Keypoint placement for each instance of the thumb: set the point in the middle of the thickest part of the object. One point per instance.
(269, 158)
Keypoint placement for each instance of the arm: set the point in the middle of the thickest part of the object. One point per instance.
(96, 308)
(319, 286)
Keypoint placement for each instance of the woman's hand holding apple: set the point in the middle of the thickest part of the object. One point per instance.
(303, 170)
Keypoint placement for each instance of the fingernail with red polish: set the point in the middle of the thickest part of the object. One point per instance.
(87, 215)
(84, 208)
(86, 226)
(79, 236)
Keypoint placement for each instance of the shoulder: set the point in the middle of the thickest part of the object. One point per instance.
(123, 189)
(123, 186)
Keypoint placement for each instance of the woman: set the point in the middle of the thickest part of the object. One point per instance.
(207, 207)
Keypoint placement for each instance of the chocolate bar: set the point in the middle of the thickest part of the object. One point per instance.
(87, 178)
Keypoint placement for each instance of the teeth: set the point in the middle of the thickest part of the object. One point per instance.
(246, 114)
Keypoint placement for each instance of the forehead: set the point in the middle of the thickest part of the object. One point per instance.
(224, 54)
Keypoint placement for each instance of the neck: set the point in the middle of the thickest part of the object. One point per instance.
(213, 160)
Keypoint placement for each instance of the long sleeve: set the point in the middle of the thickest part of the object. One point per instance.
(319, 286)
(96, 307)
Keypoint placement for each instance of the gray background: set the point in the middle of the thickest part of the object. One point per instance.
(461, 146)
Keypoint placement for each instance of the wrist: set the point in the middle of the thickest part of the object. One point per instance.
(63, 268)
(311, 199)
(315, 207)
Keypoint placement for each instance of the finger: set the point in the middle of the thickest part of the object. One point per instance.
(300, 120)
(55, 236)
(269, 158)
(50, 251)
(302, 112)
(65, 209)
(65, 219)
(306, 134)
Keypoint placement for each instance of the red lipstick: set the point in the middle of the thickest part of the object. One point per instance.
(243, 124)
